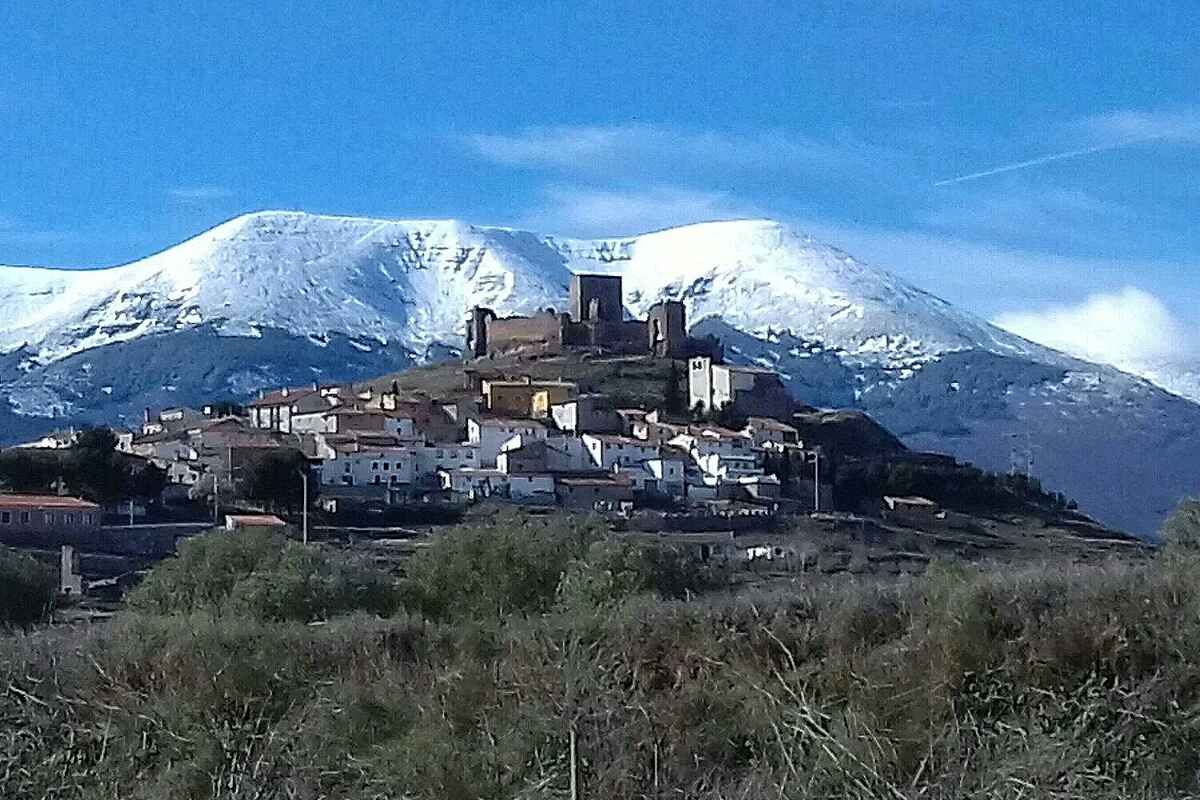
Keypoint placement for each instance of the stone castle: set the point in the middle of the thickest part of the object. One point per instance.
(595, 321)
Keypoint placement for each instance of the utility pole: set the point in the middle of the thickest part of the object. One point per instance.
(304, 508)
(574, 766)
(216, 501)
(817, 480)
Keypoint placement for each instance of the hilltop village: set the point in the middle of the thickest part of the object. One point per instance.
(583, 411)
(506, 435)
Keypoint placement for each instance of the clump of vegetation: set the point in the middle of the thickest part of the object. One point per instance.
(964, 683)
(263, 576)
(92, 468)
(1181, 532)
(27, 590)
(957, 486)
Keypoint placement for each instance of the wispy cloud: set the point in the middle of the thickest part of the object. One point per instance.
(638, 147)
(584, 211)
(1032, 162)
(1129, 328)
(199, 194)
(1181, 125)
(1028, 212)
(1104, 133)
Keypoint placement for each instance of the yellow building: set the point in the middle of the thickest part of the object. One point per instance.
(526, 399)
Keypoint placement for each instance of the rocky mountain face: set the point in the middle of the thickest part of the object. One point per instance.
(289, 298)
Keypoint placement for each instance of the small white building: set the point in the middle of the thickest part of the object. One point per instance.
(474, 484)
(744, 389)
(771, 434)
(531, 488)
(489, 434)
(720, 454)
(390, 466)
(609, 451)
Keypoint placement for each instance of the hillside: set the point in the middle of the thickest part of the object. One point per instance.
(287, 298)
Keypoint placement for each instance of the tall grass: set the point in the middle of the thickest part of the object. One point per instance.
(1044, 682)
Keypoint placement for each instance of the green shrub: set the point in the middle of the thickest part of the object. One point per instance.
(511, 566)
(27, 589)
(263, 576)
(614, 569)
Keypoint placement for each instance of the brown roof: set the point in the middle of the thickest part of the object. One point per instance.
(264, 520)
(511, 421)
(44, 501)
(615, 481)
(278, 398)
(770, 423)
(613, 438)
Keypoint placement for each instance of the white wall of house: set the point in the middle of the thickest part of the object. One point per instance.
(391, 466)
(433, 457)
(531, 488)
(608, 453)
(474, 484)
(490, 436)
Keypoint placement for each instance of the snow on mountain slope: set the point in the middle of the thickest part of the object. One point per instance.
(373, 280)
(762, 276)
(410, 282)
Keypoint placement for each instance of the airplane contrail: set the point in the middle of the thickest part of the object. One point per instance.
(1033, 162)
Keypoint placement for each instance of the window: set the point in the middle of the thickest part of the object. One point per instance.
(49, 517)
(375, 466)
(346, 468)
(387, 467)
(69, 518)
(5, 517)
(24, 517)
(87, 518)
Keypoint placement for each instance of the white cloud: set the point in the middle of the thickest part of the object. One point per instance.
(657, 148)
(580, 211)
(199, 194)
(1130, 126)
(1129, 328)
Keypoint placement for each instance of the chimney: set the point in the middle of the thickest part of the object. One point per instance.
(146, 415)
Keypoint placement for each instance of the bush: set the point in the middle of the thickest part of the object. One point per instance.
(263, 576)
(1181, 532)
(511, 566)
(613, 570)
(27, 589)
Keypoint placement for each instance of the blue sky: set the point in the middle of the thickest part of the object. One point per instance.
(1021, 161)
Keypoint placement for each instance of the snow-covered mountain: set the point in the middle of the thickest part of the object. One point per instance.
(283, 297)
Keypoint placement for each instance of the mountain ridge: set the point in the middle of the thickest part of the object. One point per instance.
(283, 296)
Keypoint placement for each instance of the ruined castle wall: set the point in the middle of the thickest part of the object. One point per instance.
(544, 330)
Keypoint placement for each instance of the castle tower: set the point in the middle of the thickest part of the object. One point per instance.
(667, 328)
(596, 298)
(477, 332)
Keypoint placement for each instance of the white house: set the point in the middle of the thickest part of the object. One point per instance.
(490, 433)
(720, 454)
(609, 451)
(744, 389)
(771, 434)
(531, 488)
(435, 456)
(390, 466)
(474, 484)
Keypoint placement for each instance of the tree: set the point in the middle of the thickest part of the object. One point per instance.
(673, 399)
(1181, 532)
(274, 479)
(27, 589)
